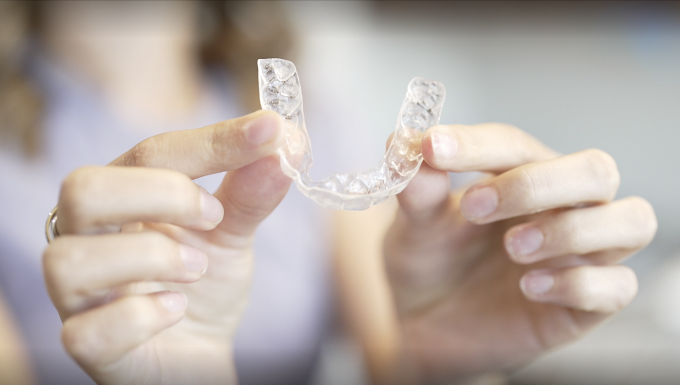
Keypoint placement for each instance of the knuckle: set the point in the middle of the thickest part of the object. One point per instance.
(51, 254)
(142, 154)
(51, 269)
(602, 168)
(513, 134)
(83, 345)
(517, 139)
(224, 142)
(76, 189)
(621, 289)
(594, 292)
(534, 186)
(504, 129)
(51, 263)
(627, 290)
(58, 264)
(79, 178)
(158, 242)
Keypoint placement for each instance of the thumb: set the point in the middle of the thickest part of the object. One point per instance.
(249, 194)
(427, 195)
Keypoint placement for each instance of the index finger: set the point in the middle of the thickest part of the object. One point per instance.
(489, 147)
(222, 146)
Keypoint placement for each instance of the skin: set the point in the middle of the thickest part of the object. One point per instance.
(462, 290)
(151, 273)
(484, 282)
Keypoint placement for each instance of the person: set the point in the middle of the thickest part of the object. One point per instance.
(73, 72)
(151, 274)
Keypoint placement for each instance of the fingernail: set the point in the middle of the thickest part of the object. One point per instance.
(173, 301)
(538, 282)
(211, 208)
(193, 259)
(479, 203)
(444, 146)
(261, 130)
(525, 241)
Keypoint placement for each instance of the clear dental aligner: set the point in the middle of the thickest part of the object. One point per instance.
(280, 91)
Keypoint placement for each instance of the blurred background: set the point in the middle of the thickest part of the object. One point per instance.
(576, 75)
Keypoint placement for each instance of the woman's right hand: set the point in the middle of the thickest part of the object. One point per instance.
(151, 273)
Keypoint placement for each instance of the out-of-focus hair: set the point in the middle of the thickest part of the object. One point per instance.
(20, 102)
(232, 34)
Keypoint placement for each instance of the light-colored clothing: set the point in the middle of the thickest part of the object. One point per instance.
(289, 311)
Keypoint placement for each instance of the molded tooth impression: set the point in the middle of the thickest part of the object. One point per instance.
(280, 91)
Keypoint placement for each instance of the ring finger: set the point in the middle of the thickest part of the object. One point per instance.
(103, 335)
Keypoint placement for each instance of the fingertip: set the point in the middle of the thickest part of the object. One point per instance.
(426, 193)
(478, 203)
(522, 242)
(211, 208)
(439, 147)
(194, 260)
(263, 127)
(173, 301)
(537, 284)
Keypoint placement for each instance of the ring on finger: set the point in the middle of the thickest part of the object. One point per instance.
(51, 231)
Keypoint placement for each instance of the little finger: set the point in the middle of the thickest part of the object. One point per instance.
(588, 176)
(105, 334)
(599, 289)
(81, 272)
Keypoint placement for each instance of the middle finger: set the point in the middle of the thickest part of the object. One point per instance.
(81, 271)
(102, 199)
(588, 176)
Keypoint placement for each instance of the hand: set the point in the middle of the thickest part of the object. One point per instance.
(489, 277)
(158, 302)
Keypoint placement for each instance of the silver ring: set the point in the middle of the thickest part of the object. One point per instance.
(51, 231)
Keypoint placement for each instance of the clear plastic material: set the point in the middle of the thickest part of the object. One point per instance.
(280, 91)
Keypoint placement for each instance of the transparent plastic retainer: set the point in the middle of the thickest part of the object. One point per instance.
(280, 91)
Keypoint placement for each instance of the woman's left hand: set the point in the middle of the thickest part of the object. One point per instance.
(489, 277)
